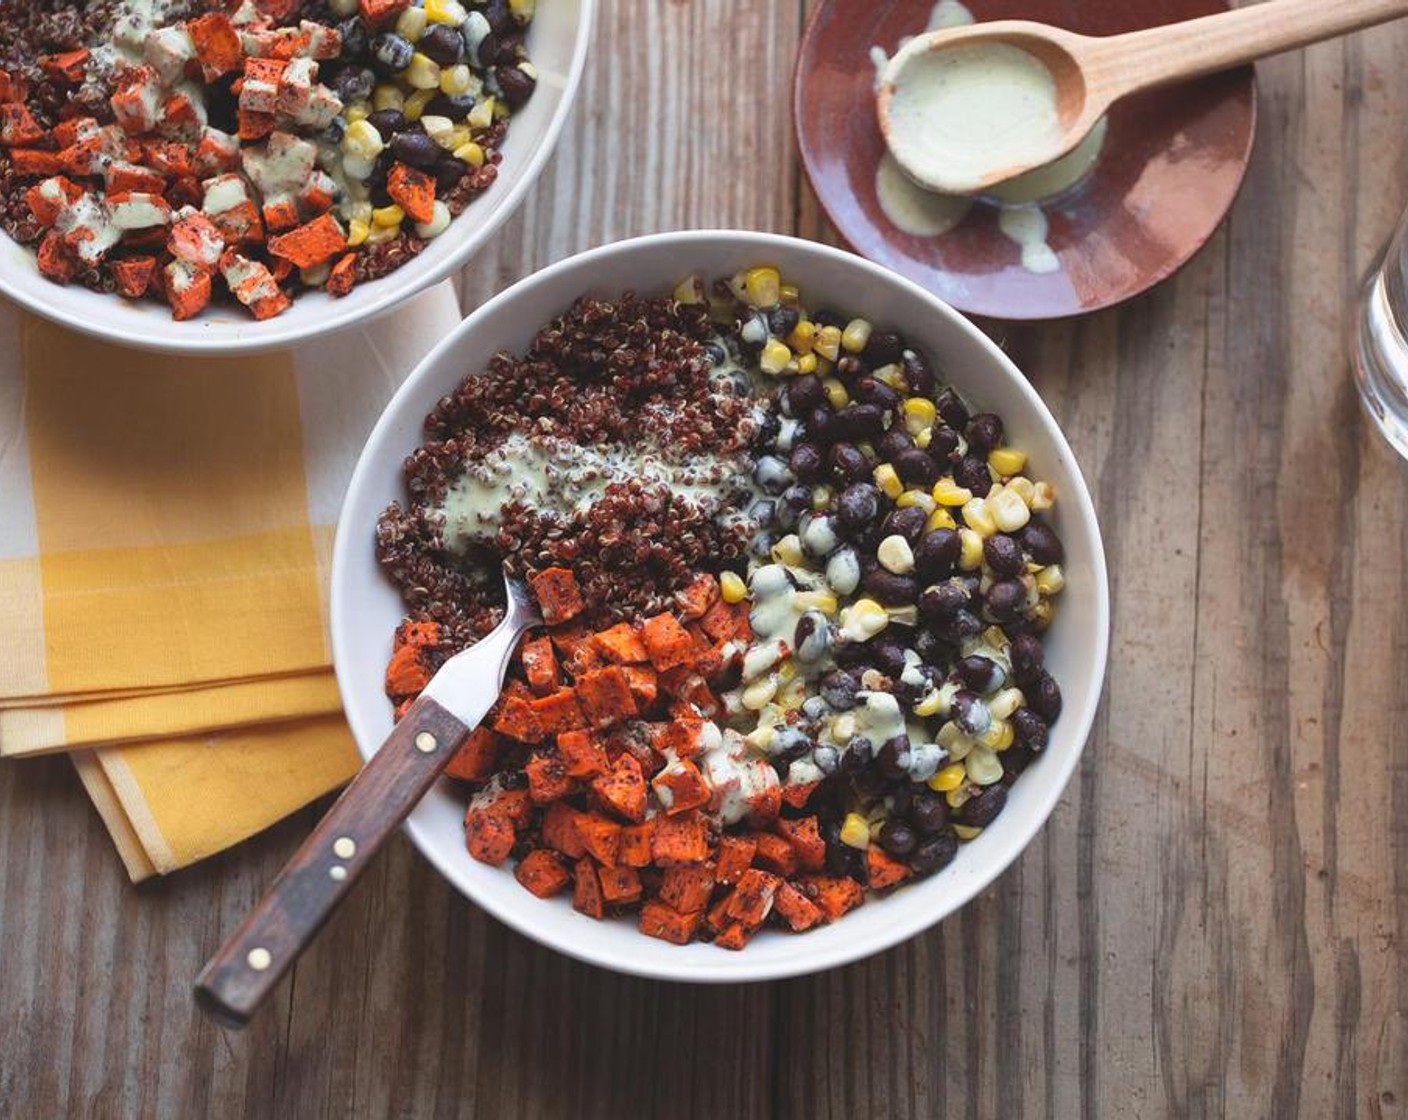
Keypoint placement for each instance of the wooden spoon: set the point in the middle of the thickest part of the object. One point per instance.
(249, 965)
(1091, 74)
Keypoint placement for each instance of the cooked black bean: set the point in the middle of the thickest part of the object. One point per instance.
(936, 554)
(806, 462)
(1045, 699)
(981, 674)
(839, 688)
(391, 53)
(388, 122)
(859, 421)
(972, 474)
(1041, 541)
(942, 600)
(1003, 554)
(928, 813)
(918, 372)
(952, 409)
(449, 171)
(982, 808)
(870, 782)
(1005, 599)
(416, 149)
(783, 320)
(969, 712)
(456, 106)
(849, 463)
(916, 468)
(893, 759)
(891, 589)
(829, 318)
(442, 44)
(353, 83)
(983, 433)
(898, 838)
(907, 523)
(355, 40)
(794, 502)
(821, 424)
(934, 854)
(857, 755)
(883, 348)
(802, 394)
(1014, 760)
(852, 655)
(1027, 656)
(932, 648)
(888, 654)
(827, 758)
(942, 444)
(900, 799)
(870, 390)
(812, 637)
(849, 368)
(857, 506)
(1029, 729)
(894, 442)
(772, 474)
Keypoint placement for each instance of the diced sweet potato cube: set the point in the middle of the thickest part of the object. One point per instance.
(187, 289)
(13, 89)
(34, 162)
(688, 887)
(622, 789)
(799, 912)
(310, 244)
(882, 870)
(696, 599)
(797, 796)
(407, 672)
(586, 889)
(377, 12)
(805, 837)
(620, 886)
(18, 128)
(253, 125)
(582, 754)
(694, 697)
(752, 898)
(605, 696)
(542, 872)
(55, 261)
(636, 841)
(343, 277)
(600, 837)
(834, 895)
(560, 829)
(489, 835)
(687, 737)
(559, 597)
(735, 857)
(559, 711)
(411, 633)
(513, 804)
(172, 159)
(642, 682)
(477, 757)
(725, 621)
(517, 720)
(569, 637)
(547, 778)
(681, 787)
(217, 44)
(776, 854)
(413, 190)
(539, 665)
(133, 275)
(716, 918)
(66, 66)
(621, 644)
(46, 199)
(666, 641)
(735, 936)
(680, 840)
(668, 924)
(195, 240)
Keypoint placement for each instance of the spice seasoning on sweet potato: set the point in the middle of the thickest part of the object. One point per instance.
(542, 872)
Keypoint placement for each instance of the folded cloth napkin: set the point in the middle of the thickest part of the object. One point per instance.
(165, 537)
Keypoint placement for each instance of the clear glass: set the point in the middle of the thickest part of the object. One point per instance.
(1381, 345)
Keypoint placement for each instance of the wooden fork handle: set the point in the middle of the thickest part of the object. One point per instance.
(1159, 55)
(250, 964)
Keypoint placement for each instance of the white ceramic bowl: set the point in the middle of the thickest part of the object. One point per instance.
(557, 44)
(365, 608)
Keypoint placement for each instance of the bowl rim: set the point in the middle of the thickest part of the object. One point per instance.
(400, 285)
(740, 969)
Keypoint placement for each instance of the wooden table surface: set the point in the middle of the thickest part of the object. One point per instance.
(1215, 920)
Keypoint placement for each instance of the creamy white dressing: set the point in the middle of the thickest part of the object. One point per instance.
(1028, 226)
(736, 777)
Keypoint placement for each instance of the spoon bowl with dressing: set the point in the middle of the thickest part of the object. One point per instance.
(965, 109)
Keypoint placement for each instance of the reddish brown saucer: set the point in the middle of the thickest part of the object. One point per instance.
(1171, 166)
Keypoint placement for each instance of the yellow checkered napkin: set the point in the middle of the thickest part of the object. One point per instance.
(165, 535)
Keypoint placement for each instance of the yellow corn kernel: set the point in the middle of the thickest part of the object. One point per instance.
(856, 335)
(415, 104)
(1007, 461)
(1051, 580)
(1043, 497)
(966, 831)
(931, 705)
(862, 620)
(1023, 487)
(789, 551)
(410, 24)
(759, 694)
(482, 115)
(998, 736)
(828, 343)
(445, 11)
(919, 414)
(774, 357)
(949, 493)
(1001, 706)
(1041, 614)
(422, 73)
(915, 498)
(523, 10)
(362, 139)
(892, 376)
(786, 671)
(983, 766)
(888, 480)
(456, 79)
(792, 694)
(940, 519)
(357, 111)
(391, 215)
(806, 364)
(357, 231)
(762, 287)
(821, 497)
(1008, 509)
(855, 833)
(923, 438)
(387, 96)
(471, 153)
(690, 290)
(822, 601)
(802, 336)
(979, 518)
(362, 211)
(379, 234)
(949, 778)
(732, 587)
(836, 394)
(970, 556)
(789, 295)
(957, 797)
